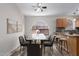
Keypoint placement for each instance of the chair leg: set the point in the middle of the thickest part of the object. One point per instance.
(23, 48)
(51, 49)
(20, 48)
(44, 50)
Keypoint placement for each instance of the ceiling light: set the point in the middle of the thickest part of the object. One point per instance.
(39, 4)
(76, 12)
(39, 8)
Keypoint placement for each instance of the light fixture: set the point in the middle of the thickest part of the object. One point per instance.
(76, 11)
(38, 10)
(39, 7)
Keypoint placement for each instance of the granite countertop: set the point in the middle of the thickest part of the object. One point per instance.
(72, 34)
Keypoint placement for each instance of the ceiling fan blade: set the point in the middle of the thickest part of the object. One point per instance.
(39, 4)
(44, 7)
(41, 10)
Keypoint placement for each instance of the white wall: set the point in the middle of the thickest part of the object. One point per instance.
(31, 20)
(8, 42)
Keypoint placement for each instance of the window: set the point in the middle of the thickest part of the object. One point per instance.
(42, 26)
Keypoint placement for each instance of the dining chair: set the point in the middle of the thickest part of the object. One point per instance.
(48, 43)
(23, 43)
(27, 40)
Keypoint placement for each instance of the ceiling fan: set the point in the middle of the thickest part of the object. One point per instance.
(76, 11)
(38, 7)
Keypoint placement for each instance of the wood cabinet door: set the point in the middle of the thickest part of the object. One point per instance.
(65, 23)
(59, 23)
(72, 46)
(77, 22)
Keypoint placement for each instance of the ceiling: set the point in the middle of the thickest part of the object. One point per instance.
(52, 9)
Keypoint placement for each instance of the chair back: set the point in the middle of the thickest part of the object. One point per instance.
(26, 40)
(52, 40)
(21, 39)
(49, 38)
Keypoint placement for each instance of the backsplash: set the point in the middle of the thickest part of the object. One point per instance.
(76, 31)
(60, 29)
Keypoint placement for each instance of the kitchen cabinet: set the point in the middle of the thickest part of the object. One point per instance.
(77, 22)
(73, 45)
(61, 22)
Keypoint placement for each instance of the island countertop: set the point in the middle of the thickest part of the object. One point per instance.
(72, 35)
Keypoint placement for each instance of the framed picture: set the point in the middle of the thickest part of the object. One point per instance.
(13, 26)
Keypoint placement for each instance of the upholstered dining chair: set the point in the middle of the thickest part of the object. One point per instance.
(22, 42)
(48, 43)
(27, 40)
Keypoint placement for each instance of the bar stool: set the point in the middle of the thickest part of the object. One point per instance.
(63, 45)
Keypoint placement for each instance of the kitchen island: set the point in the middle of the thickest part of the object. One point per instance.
(73, 44)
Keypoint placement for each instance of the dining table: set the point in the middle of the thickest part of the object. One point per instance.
(35, 48)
